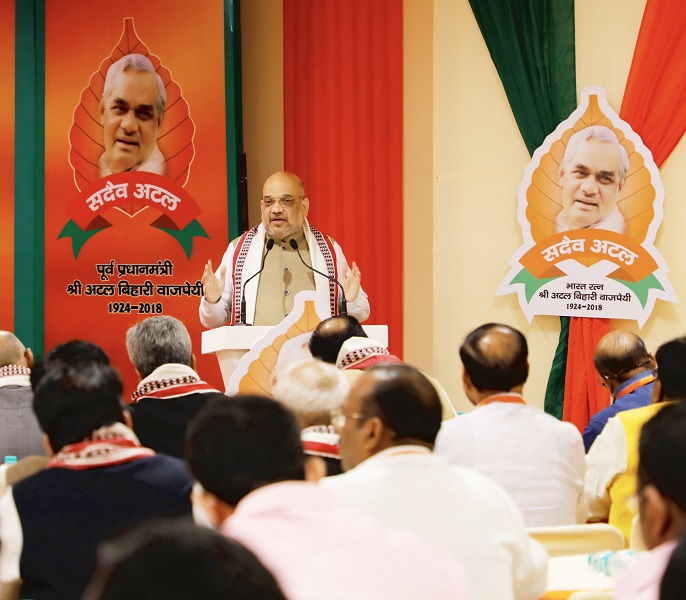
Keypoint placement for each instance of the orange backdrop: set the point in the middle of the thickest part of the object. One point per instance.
(189, 43)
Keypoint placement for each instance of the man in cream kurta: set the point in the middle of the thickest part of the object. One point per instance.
(269, 298)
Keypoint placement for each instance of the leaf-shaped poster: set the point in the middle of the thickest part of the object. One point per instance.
(589, 236)
(175, 140)
(544, 194)
(254, 371)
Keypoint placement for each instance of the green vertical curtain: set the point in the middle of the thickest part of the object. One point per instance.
(532, 46)
(29, 172)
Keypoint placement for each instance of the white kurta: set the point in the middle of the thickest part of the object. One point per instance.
(217, 314)
(537, 459)
(464, 512)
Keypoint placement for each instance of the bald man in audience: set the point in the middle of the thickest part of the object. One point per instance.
(537, 459)
(20, 434)
(388, 425)
(613, 458)
(626, 370)
(329, 335)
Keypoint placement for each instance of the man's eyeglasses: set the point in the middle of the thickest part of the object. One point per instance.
(605, 378)
(338, 418)
(286, 201)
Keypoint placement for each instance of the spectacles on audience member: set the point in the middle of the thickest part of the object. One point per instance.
(603, 378)
(338, 418)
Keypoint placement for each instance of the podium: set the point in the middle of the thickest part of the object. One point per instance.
(232, 343)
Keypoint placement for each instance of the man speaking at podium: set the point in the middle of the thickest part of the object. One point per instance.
(269, 298)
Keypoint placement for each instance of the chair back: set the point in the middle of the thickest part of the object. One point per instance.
(578, 539)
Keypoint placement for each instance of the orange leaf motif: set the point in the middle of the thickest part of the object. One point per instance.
(86, 134)
(544, 194)
(258, 379)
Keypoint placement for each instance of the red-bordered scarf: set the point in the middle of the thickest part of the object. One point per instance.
(11, 370)
(241, 253)
(320, 440)
(364, 358)
(110, 445)
(173, 387)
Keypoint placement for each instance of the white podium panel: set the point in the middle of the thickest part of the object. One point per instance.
(230, 344)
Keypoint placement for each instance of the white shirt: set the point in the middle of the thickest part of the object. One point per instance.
(469, 515)
(536, 458)
(606, 460)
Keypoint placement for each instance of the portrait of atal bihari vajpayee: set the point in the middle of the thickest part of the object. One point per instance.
(592, 174)
(131, 111)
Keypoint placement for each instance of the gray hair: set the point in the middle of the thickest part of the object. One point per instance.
(158, 341)
(140, 63)
(311, 390)
(602, 134)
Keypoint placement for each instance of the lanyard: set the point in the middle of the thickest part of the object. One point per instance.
(635, 385)
(509, 398)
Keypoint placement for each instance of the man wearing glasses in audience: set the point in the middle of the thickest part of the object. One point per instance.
(626, 369)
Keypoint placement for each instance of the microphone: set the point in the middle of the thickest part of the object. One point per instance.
(270, 245)
(343, 308)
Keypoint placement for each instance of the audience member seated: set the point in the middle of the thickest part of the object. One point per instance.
(69, 354)
(99, 480)
(170, 391)
(388, 425)
(537, 459)
(176, 560)
(311, 390)
(360, 353)
(329, 335)
(661, 500)
(20, 434)
(251, 473)
(626, 369)
(613, 458)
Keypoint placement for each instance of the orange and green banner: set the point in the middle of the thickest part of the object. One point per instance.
(651, 105)
(119, 188)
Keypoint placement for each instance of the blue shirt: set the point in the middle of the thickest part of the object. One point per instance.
(639, 397)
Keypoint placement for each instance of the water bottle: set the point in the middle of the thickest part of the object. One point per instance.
(620, 561)
(10, 460)
(598, 560)
(611, 563)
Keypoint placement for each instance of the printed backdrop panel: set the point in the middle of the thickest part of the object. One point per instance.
(135, 204)
(590, 205)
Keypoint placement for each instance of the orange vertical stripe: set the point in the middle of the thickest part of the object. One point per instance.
(7, 28)
(653, 101)
(583, 396)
